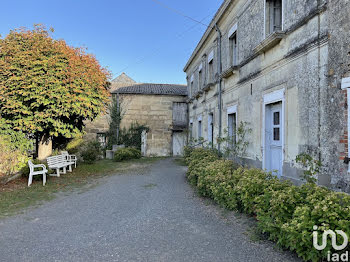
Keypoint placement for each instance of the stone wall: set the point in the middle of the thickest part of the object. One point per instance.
(312, 49)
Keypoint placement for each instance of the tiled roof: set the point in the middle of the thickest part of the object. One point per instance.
(153, 89)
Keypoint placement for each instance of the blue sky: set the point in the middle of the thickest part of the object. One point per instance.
(141, 38)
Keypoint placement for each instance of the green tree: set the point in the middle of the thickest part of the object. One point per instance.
(114, 125)
(48, 88)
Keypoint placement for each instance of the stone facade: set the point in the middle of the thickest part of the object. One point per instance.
(148, 104)
(289, 74)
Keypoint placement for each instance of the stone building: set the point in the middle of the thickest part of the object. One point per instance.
(282, 67)
(161, 107)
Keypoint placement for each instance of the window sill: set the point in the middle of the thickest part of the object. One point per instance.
(208, 86)
(229, 72)
(271, 41)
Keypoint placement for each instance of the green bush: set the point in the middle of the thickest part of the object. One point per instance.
(127, 154)
(285, 212)
(91, 152)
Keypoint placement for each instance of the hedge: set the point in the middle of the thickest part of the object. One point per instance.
(127, 154)
(285, 212)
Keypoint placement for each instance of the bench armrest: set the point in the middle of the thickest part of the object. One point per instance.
(40, 166)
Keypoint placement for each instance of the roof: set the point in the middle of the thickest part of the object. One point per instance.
(121, 81)
(153, 89)
(210, 28)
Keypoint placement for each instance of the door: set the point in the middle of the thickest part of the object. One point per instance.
(273, 138)
(179, 139)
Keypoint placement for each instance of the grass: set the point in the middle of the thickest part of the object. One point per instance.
(16, 196)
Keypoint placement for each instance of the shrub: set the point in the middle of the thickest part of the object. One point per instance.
(285, 212)
(187, 151)
(14, 147)
(74, 145)
(91, 152)
(127, 154)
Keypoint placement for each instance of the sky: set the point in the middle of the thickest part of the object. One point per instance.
(147, 41)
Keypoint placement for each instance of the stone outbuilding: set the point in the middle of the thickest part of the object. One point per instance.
(282, 67)
(161, 107)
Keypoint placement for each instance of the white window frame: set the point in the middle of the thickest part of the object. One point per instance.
(232, 110)
(210, 136)
(282, 20)
(270, 98)
(345, 84)
(199, 119)
(200, 77)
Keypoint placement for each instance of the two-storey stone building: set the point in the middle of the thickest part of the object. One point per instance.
(278, 65)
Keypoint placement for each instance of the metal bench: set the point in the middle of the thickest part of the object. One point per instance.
(32, 172)
(70, 158)
(59, 162)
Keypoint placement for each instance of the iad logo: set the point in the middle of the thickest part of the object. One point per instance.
(332, 257)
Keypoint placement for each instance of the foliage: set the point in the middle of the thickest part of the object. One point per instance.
(73, 146)
(14, 147)
(236, 146)
(127, 154)
(91, 152)
(114, 125)
(132, 137)
(311, 167)
(48, 87)
(285, 212)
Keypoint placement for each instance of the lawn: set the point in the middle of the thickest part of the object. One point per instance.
(16, 196)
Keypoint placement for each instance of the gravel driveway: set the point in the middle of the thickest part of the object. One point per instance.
(151, 216)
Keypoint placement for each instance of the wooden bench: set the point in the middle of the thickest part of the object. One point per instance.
(70, 158)
(59, 162)
(32, 172)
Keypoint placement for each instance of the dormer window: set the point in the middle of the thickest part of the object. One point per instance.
(273, 16)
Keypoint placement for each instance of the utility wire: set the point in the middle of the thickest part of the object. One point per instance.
(142, 59)
(180, 13)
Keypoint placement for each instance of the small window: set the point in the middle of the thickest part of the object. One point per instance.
(192, 88)
(191, 131)
(273, 16)
(232, 125)
(233, 49)
(211, 71)
(200, 79)
(276, 118)
(276, 134)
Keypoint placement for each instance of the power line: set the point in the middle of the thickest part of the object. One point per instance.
(180, 13)
(142, 59)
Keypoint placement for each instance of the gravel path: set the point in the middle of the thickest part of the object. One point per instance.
(153, 216)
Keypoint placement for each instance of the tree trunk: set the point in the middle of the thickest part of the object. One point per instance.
(44, 147)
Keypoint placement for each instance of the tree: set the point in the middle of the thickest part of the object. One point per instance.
(48, 88)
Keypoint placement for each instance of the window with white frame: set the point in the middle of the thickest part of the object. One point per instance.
(273, 16)
(233, 45)
(200, 77)
(232, 125)
(192, 86)
(211, 128)
(199, 133)
(211, 67)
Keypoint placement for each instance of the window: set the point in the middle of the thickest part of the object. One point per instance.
(199, 129)
(191, 131)
(200, 78)
(233, 49)
(101, 138)
(232, 125)
(211, 71)
(273, 11)
(192, 86)
(211, 128)
(276, 126)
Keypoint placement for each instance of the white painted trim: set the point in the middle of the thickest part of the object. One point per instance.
(265, 17)
(273, 97)
(200, 67)
(232, 109)
(211, 56)
(345, 83)
(232, 30)
(200, 118)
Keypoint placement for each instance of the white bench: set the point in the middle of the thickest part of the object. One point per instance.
(70, 158)
(32, 172)
(59, 162)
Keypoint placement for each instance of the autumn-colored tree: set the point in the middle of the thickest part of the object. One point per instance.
(48, 88)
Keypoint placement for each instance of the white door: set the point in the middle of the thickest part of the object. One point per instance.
(273, 138)
(179, 139)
